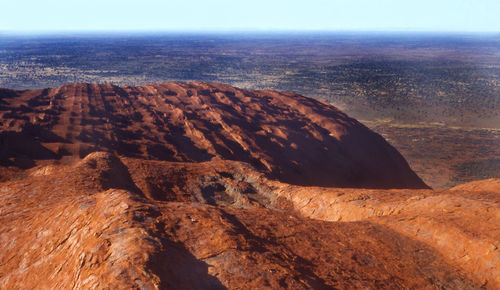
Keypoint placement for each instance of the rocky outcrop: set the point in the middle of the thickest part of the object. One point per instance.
(170, 187)
(290, 138)
(223, 224)
(488, 185)
(462, 225)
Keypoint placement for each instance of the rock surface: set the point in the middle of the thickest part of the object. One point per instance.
(289, 137)
(492, 185)
(94, 214)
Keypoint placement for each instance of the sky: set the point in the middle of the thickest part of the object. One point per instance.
(258, 15)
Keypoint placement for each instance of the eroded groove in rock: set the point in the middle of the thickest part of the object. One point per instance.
(180, 186)
(288, 137)
(460, 224)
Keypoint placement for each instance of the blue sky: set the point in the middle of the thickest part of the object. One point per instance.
(180, 15)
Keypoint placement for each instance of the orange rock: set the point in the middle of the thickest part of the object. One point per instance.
(170, 186)
(288, 137)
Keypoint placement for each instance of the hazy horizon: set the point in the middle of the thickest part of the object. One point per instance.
(137, 32)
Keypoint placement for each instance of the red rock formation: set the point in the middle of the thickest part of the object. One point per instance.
(159, 187)
(491, 185)
(289, 137)
(101, 222)
(460, 224)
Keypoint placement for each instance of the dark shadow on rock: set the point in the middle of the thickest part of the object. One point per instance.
(20, 149)
(110, 172)
(42, 134)
(425, 256)
(7, 94)
(215, 194)
(178, 269)
(262, 245)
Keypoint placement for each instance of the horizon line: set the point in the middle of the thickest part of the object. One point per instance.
(241, 30)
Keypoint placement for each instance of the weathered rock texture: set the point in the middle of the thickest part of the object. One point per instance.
(106, 212)
(289, 137)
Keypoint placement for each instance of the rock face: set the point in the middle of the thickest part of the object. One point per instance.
(289, 137)
(106, 221)
(110, 211)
